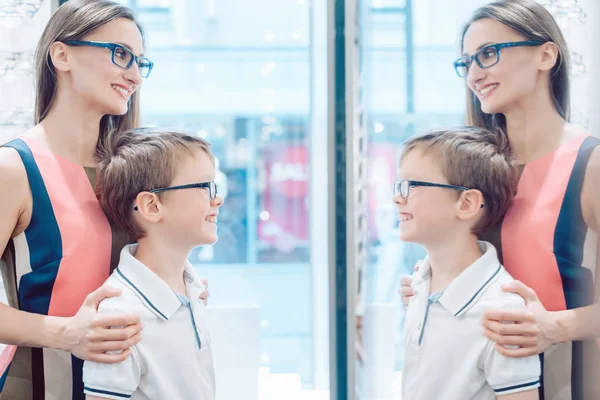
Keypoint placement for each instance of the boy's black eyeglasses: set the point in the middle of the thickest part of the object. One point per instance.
(211, 186)
(402, 187)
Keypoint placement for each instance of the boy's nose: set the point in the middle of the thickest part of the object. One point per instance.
(397, 199)
(217, 201)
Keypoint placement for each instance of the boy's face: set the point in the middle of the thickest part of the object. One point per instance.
(429, 214)
(190, 216)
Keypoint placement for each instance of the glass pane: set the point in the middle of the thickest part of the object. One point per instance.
(244, 79)
(410, 85)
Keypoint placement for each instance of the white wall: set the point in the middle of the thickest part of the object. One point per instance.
(582, 39)
(592, 57)
(16, 87)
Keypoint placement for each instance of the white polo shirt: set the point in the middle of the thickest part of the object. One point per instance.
(174, 358)
(446, 355)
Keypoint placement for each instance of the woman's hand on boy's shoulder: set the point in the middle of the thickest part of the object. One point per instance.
(98, 337)
(527, 331)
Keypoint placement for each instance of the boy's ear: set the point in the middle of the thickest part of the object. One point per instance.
(148, 207)
(470, 204)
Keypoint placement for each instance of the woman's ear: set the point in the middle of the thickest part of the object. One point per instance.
(549, 56)
(60, 57)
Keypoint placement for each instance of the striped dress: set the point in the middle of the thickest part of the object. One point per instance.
(66, 252)
(545, 243)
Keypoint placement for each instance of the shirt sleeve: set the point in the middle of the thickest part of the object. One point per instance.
(112, 381)
(508, 375)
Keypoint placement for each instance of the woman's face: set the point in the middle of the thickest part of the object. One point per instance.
(96, 80)
(503, 85)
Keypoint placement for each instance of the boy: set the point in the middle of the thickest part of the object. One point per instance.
(455, 184)
(159, 186)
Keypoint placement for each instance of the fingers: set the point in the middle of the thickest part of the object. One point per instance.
(521, 289)
(205, 294)
(523, 329)
(93, 299)
(517, 353)
(418, 264)
(520, 341)
(406, 280)
(406, 291)
(118, 334)
(117, 345)
(508, 315)
(109, 321)
(204, 297)
(108, 358)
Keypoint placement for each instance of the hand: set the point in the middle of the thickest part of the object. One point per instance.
(89, 335)
(205, 294)
(406, 291)
(531, 329)
(358, 340)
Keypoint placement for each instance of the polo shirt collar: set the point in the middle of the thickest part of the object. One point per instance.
(466, 289)
(153, 292)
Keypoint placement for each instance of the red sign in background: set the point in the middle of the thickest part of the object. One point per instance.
(285, 198)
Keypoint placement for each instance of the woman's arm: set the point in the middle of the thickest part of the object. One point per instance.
(86, 335)
(528, 395)
(536, 328)
(23, 329)
(584, 323)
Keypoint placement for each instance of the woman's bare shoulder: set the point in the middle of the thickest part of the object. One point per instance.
(12, 170)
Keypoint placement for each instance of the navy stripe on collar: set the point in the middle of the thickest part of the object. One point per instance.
(479, 291)
(141, 294)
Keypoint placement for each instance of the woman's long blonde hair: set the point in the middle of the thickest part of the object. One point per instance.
(73, 21)
(534, 22)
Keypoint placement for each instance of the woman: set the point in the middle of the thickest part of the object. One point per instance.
(58, 246)
(515, 62)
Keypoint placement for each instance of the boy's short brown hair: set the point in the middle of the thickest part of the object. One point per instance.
(477, 159)
(139, 160)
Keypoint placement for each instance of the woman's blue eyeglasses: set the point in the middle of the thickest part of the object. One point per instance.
(121, 56)
(488, 56)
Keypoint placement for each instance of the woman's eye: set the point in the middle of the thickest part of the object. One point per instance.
(121, 53)
(489, 53)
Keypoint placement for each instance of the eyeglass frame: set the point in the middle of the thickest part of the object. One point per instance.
(201, 185)
(495, 46)
(413, 183)
(113, 48)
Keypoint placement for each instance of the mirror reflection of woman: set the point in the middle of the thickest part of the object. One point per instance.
(515, 63)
